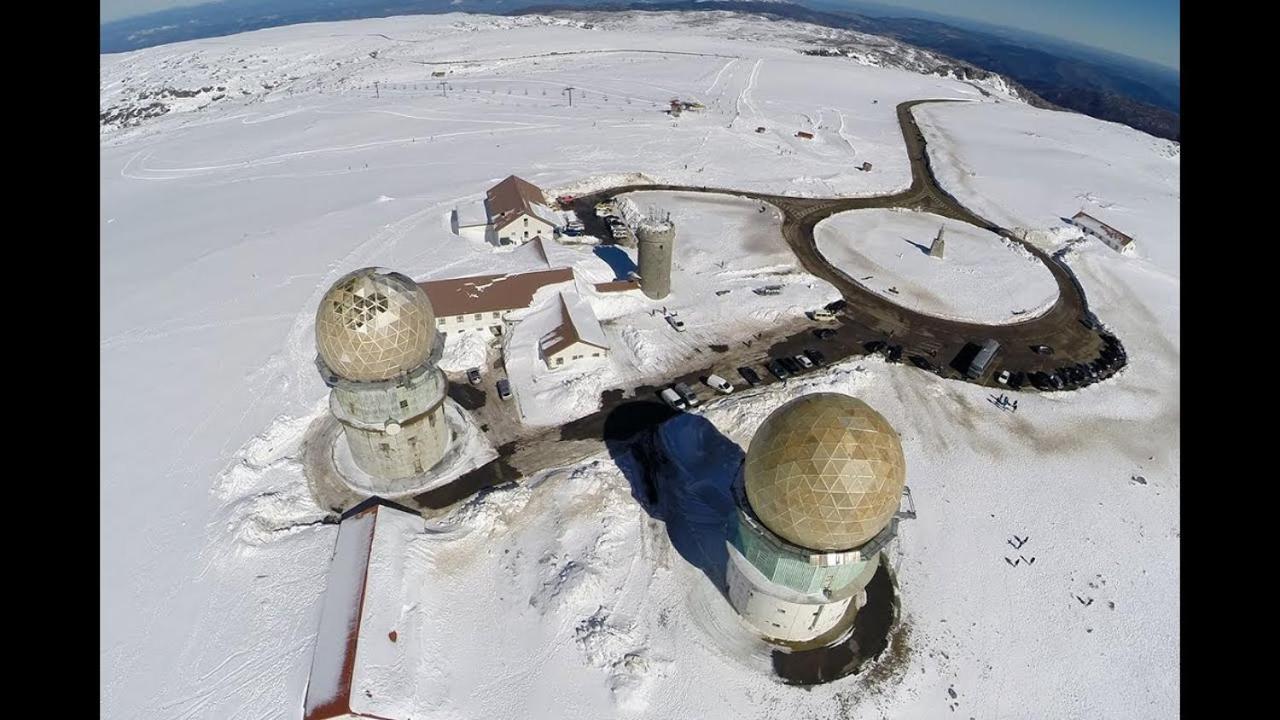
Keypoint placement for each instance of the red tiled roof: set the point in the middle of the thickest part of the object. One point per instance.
(511, 198)
(489, 293)
(566, 334)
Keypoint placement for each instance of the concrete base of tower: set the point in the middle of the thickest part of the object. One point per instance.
(338, 483)
(781, 614)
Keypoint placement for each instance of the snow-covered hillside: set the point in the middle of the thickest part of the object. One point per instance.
(335, 146)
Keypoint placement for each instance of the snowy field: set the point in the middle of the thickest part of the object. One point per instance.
(982, 277)
(224, 221)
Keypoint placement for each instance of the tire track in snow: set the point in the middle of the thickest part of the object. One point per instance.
(717, 80)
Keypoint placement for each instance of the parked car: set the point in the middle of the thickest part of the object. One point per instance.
(816, 356)
(791, 365)
(751, 376)
(676, 323)
(803, 361)
(473, 376)
(672, 398)
(504, 389)
(893, 354)
(1017, 379)
(836, 306)
(822, 315)
(824, 333)
(572, 231)
(1003, 377)
(1042, 349)
(875, 346)
(724, 387)
(686, 393)
(778, 370)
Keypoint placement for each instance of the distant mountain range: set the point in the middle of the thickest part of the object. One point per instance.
(1093, 82)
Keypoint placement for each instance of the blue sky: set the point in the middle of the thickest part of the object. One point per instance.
(1146, 29)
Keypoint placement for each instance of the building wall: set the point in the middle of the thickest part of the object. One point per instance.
(574, 354)
(523, 229)
(474, 232)
(470, 323)
(415, 404)
(774, 617)
(788, 567)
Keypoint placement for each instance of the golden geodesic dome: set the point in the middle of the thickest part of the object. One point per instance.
(825, 472)
(374, 324)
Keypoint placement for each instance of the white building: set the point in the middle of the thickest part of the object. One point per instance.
(481, 303)
(576, 338)
(513, 212)
(362, 638)
(1110, 236)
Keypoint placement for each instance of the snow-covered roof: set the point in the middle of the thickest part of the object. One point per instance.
(490, 293)
(1086, 220)
(473, 214)
(578, 323)
(546, 214)
(356, 658)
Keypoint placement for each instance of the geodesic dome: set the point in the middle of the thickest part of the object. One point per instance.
(825, 472)
(374, 324)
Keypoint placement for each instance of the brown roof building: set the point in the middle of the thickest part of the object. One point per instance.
(577, 336)
(514, 198)
(490, 293)
(356, 645)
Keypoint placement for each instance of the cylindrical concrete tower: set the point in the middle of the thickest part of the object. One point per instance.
(378, 349)
(817, 500)
(656, 240)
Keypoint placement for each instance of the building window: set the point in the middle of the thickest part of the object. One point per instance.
(431, 419)
(479, 316)
(385, 448)
(526, 224)
(595, 354)
(495, 316)
(441, 321)
(404, 403)
(559, 361)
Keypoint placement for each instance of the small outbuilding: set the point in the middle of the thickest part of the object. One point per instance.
(577, 337)
(804, 135)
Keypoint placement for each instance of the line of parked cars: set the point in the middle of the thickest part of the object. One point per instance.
(683, 397)
(1112, 357)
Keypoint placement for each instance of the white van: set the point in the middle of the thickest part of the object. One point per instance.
(822, 315)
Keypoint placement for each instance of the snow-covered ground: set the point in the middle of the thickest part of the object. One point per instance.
(981, 277)
(224, 222)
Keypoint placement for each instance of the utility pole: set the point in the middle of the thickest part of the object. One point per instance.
(570, 91)
(444, 88)
(376, 92)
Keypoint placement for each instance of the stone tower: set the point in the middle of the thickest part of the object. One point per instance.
(378, 349)
(656, 239)
(938, 246)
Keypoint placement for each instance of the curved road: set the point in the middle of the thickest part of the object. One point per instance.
(1067, 326)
